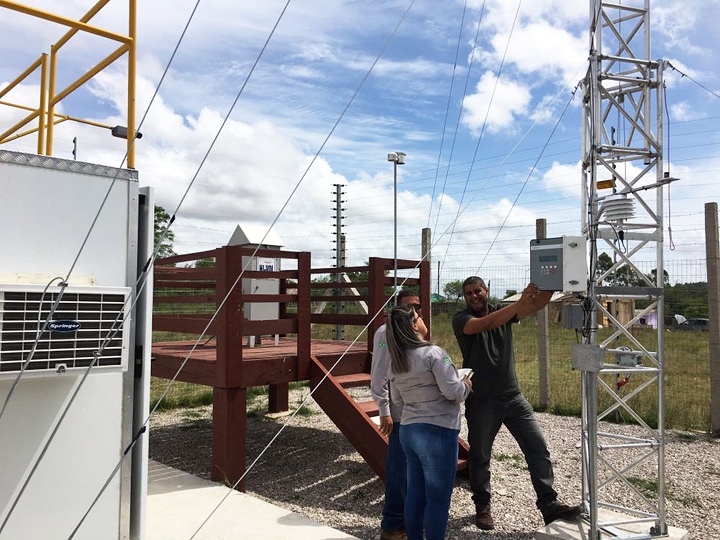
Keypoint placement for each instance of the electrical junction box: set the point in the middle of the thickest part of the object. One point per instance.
(573, 316)
(559, 264)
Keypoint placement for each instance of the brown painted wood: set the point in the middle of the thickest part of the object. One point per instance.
(184, 324)
(369, 407)
(229, 446)
(185, 299)
(160, 283)
(354, 380)
(278, 397)
(330, 318)
(262, 365)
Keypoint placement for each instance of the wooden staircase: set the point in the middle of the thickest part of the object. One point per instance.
(354, 419)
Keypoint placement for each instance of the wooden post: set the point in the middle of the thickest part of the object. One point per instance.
(304, 312)
(543, 336)
(229, 448)
(713, 276)
(229, 433)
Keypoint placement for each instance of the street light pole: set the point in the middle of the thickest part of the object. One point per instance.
(397, 158)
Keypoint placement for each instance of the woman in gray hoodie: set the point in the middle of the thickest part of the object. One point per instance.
(426, 384)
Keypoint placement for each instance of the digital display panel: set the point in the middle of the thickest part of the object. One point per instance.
(548, 258)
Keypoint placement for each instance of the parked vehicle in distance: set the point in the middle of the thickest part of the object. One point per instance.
(694, 324)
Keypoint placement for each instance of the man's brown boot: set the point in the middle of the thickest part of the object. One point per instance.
(484, 519)
(563, 511)
(393, 535)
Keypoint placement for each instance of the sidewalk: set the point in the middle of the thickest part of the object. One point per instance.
(178, 503)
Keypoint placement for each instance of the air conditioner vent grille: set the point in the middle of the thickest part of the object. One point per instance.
(82, 323)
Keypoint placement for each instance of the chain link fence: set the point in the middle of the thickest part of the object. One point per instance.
(501, 279)
(686, 347)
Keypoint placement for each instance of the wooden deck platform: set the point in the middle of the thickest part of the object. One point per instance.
(206, 352)
(220, 300)
(260, 363)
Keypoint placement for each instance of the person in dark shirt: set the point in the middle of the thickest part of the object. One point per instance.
(484, 334)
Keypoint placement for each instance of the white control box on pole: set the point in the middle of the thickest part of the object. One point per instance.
(559, 264)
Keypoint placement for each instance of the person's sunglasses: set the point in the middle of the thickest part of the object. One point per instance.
(416, 307)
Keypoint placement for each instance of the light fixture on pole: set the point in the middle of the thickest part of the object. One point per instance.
(398, 158)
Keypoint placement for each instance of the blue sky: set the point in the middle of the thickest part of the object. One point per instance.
(485, 146)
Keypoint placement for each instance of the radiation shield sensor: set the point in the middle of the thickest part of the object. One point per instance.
(559, 264)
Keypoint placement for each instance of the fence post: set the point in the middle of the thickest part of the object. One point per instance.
(712, 255)
(543, 335)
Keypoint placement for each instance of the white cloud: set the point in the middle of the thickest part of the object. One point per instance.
(564, 177)
(495, 104)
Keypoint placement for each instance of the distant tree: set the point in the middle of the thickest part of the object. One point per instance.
(653, 276)
(364, 277)
(510, 292)
(603, 264)
(162, 218)
(205, 263)
(453, 289)
(687, 299)
(625, 276)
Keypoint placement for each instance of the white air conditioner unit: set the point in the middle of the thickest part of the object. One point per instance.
(87, 322)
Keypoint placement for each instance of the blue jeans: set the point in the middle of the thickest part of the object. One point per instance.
(395, 484)
(484, 419)
(431, 452)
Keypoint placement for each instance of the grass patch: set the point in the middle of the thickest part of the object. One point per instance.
(179, 396)
(182, 395)
(646, 486)
(649, 488)
(516, 460)
(304, 410)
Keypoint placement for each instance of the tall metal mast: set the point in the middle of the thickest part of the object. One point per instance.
(622, 217)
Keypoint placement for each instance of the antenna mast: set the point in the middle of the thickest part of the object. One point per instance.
(622, 217)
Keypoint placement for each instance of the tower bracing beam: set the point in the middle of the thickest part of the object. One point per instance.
(622, 216)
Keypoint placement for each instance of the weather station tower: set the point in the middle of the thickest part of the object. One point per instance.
(623, 177)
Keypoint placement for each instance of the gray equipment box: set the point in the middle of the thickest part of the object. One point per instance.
(559, 264)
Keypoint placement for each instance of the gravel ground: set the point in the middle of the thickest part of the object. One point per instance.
(310, 468)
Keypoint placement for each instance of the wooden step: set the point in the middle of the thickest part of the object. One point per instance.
(353, 380)
(369, 407)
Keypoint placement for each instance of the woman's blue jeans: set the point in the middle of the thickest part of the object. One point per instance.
(431, 452)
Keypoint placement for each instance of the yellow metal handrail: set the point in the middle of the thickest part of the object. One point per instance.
(45, 112)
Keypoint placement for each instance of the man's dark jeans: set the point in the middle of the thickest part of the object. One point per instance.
(484, 418)
(395, 484)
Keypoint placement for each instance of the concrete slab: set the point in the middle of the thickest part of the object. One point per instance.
(579, 530)
(178, 504)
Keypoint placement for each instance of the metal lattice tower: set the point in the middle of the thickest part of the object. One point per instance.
(623, 183)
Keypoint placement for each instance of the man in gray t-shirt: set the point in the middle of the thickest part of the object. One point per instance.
(484, 334)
